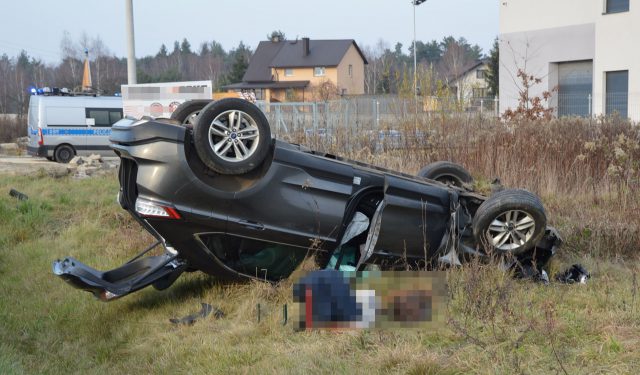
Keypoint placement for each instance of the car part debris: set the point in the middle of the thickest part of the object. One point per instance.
(16, 194)
(574, 274)
(206, 310)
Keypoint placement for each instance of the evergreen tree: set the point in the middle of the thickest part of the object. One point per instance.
(276, 36)
(204, 49)
(493, 75)
(185, 47)
(163, 51)
(238, 69)
(176, 48)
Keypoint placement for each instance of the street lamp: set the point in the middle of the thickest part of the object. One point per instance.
(415, 58)
(131, 49)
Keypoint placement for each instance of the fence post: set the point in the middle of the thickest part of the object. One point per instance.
(315, 117)
(496, 103)
(374, 112)
(481, 106)
(590, 106)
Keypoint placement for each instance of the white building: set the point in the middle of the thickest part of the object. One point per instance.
(589, 50)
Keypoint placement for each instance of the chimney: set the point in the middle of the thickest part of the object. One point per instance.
(305, 46)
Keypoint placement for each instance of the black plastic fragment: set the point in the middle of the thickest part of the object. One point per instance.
(16, 194)
(206, 310)
(574, 274)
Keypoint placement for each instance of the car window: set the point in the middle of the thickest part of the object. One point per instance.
(248, 256)
(105, 117)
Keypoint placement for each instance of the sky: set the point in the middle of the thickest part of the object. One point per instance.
(37, 26)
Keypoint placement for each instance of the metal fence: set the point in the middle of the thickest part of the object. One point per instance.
(388, 114)
(625, 105)
(367, 113)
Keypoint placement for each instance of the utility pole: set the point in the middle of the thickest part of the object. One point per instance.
(415, 57)
(131, 47)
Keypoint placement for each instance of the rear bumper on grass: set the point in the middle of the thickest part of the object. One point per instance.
(160, 271)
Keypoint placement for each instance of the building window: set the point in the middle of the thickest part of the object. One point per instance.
(575, 85)
(481, 74)
(480, 93)
(617, 93)
(350, 70)
(288, 72)
(616, 6)
(319, 71)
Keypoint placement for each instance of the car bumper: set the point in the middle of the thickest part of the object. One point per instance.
(42, 151)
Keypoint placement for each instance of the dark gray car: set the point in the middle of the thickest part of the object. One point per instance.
(221, 196)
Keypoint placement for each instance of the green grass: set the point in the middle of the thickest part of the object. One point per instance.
(494, 324)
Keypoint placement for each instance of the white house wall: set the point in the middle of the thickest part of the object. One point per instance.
(536, 35)
(618, 48)
(536, 53)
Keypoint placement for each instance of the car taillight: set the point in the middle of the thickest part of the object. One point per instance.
(147, 208)
(40, 137)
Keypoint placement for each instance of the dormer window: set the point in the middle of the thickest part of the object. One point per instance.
(319, 71)
(288, 72)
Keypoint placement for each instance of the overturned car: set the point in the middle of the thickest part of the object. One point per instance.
(221, 196)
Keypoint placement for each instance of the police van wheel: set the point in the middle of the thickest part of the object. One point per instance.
(64, 154)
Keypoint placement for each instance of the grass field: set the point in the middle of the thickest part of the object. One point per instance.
(494, 324)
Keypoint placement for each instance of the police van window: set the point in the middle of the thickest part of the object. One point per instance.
(104, 117)
(115, 116)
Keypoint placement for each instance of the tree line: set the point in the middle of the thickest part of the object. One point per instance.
(390, 70)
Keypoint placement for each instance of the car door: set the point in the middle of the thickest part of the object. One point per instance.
(300, 201)
(100, 121)
(414, 218)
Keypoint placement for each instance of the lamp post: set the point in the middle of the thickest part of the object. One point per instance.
(415, 57)
(131, 49)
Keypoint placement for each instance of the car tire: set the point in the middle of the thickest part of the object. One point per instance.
(447, 172)
(187, 112)
(232, 136)
(64, 154)
(510, 222)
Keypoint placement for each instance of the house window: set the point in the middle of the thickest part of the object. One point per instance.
(319, 71)
(616, 6)
(481, 74)
(480, 93)
(288, 72)
(617, 93)
(350, 70)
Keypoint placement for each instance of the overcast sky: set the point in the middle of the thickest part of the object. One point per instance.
(37, 26)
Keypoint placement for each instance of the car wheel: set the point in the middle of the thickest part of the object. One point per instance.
(64, 153)
(187, 112)
(510, 222)
(447, 172)
(232, 136)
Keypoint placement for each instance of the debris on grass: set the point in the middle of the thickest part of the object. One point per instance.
(574, 274)
(206, 310)
(18, 195)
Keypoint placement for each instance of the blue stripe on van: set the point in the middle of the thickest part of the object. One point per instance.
(75, 131)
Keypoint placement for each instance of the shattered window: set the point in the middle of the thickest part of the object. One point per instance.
(261, 259)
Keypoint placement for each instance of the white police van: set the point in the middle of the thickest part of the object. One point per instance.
(61, 127)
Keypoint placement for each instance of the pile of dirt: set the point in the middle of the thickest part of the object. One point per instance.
(9, 149)
(87, 166)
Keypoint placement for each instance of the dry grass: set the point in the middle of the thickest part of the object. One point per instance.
(495, 324)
